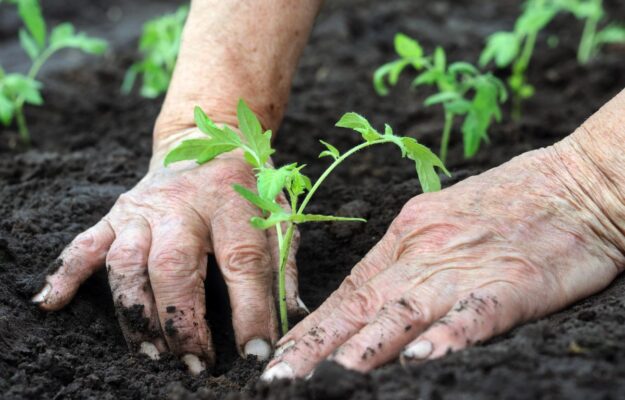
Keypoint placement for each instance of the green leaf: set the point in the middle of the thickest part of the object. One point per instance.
(407, 47)
(428, 77)
(464, 68)
(262, 203)
(199, 150)
(442, 97)
(273, 220)
(63, 36)
(330, 152)
(359, 124)
(612, 34)
(390, 71)
(440, 59)
(503, 47)
(271, 182)
(25, 87)
(302, 218)
(425, 162)
(259, 143)
(30, 12)
(61, 33)
(28, 44)
(298, 183)
(7, 109)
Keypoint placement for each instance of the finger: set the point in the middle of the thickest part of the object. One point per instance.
(378, 258)
(295, 306)
(244, 258)
(177, 270)
(352, 314)
(127, 266)
(474, 319)
(399, 322)
(77, 262)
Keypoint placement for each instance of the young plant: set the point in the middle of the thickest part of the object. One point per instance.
(516, 49)
(159, 44)
(256, 145)
(593, 38)
(462, 90)
(18, 89)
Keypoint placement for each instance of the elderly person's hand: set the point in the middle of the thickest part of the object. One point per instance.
(470, 262)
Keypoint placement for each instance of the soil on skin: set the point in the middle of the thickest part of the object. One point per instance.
(92, 144)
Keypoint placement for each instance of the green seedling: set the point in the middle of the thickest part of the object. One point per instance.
(159, 45)
(515, 49)
(271, 182)
(593, 38)
(462, 90)
(18, 89)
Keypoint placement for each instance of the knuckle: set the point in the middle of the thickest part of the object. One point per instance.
(246, 258)
(172, 260)
(127, 256)
(363, 304)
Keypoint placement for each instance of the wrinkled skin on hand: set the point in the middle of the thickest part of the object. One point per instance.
(155, 242)
(462, 265)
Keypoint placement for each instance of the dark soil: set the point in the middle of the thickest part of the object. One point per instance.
(92, 144)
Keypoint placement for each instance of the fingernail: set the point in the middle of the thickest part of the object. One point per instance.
(281, 370)
(280, 350)
(301, 305)
(41, 296)
(149, 350)
(259, 348)
(418, 351)
(193, 363)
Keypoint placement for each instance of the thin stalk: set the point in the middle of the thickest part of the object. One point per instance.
(519, 69)
(284, 256)
(449, 123)
(22, 127)
(587, 44)
(331, 168)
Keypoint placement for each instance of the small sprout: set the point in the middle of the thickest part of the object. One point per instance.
(17, 89)
(462, 90)
(271, 182)
(159, 45)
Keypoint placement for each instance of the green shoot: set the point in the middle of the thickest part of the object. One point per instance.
(159, 44)
(256, 146)
(462, 90)
(517, 48)
(592, 13)
(18, 89)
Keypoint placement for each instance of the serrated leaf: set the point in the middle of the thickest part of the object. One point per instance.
(24, 87)
(426, 162)
(359, 124)
(199, 150)
(78, 41)
(297, 182)
(60, 33)
(271, 182)
(262, 203)
(259, 143)
(30, 12)
(28, 44)
(463, 68)
(267, 223)
(388, 72)
(330, 152)
(502, 47)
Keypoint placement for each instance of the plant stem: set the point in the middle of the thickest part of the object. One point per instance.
(449, 123)
(335, 164)
(21, 124)
(518, 74)
(284, 256)
(587, 44)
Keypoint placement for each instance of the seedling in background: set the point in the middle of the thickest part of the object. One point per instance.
(462, 90)
(256, 145)
(159, 44)
(593, 38)
(17, 89)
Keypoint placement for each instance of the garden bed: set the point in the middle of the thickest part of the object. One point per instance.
(91, 144)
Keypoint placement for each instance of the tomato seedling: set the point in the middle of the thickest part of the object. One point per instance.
(18, 89)
(461, 89)
(159, 45)
(271, 182)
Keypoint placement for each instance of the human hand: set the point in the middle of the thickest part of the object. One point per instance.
(155, 242)
(462, 265)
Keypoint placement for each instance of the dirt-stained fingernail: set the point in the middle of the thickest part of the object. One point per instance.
(195, 365)
(418, 351)
(150, 350)
(42, 295)
(281, 370)
(280, 350)
(259, 348)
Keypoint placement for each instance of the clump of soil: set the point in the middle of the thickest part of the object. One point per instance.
(92, 144)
